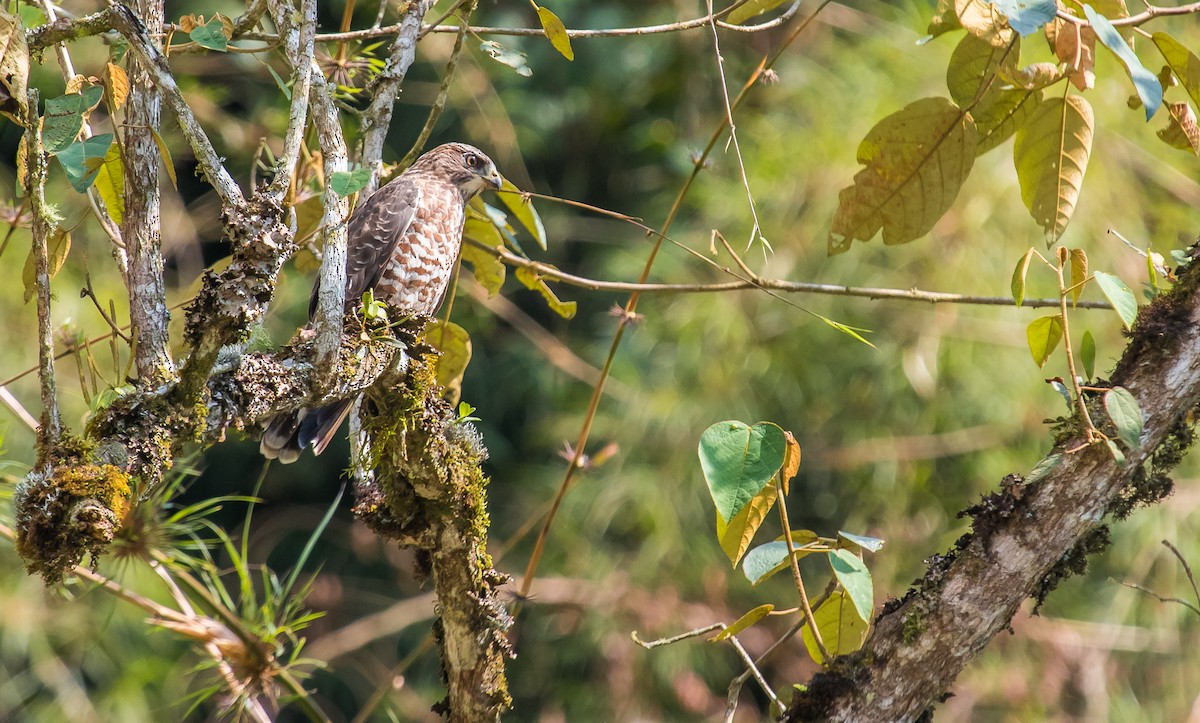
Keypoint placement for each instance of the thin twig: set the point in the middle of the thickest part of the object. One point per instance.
(781, 503)
(439, 103)
(51, 423)
(651, 644)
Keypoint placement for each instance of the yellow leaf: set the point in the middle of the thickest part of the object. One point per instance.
(981, 19)
(75, 84)
(791, 460)
(488, 270)
(110, 183)
(752, 9)
(455, 346)
(743, 622)
(1183, 63)
(556, 32)
(1079, 274)
(531, 280)
(916, 161)
(1051, 155)
(842, 630)
(1181, 131)
(22, 168)
(118, 84)
(188, 23)
(57, 246)
(166, 157)
(736, 535)
(973, 77)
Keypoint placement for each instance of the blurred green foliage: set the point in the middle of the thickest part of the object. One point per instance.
(896, 439)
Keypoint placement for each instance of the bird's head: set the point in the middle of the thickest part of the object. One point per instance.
(467, 167)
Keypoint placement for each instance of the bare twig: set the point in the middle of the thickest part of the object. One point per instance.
(51, 424)
(299, 48)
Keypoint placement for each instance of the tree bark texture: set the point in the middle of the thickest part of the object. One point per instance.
(1028, 536)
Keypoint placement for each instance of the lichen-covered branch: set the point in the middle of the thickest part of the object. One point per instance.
(141, 227)
(299, 48)
(377, 118)
(426, 490)
(51, 425)
(1026, 537)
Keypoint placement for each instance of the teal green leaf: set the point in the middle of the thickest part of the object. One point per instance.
(870, 544)
(764, 561)
(345, 183)
(1146, 83)
(64, 117)
(854, 576)
(512, 58)
(1027, 16)
(1119, 295)
(83, 160)
(1125, 414)
(738, 461)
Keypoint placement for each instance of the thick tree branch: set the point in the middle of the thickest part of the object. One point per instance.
(377, 118)
(1026, 537)
(141, 228)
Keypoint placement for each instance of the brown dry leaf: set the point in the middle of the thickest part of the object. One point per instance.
(1076, 46)
(1181, 131)
(118, 84)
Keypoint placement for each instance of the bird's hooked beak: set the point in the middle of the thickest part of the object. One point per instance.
(494, 179)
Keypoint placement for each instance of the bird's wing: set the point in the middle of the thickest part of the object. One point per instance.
(372, 234)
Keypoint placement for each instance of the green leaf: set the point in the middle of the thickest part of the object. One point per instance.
(842, 628)
(1018, 277)
(82, 160)
(1079, 274)
(211, 35)
(556, 32)
(752, 9)
(1125, 414)
(1027, 16)
(166, 157)
(1146, 83)
(854, 576)
(1116, 452)
(916, 161)
(1058, 386)
(1044, 468)
(973, 77)
(736, 535)
(521, 206)
(512, 58)
(765, 560)
(1087, 354)
(870, 544)
(488, 270)
(454, 344)
(1119, 295)
(345, 183)
(1182, 62)
(743, 622)
(110, 183)
(57, 248)
(739, 460)
(944, 20)
(1051, 155)
(64, 117)
(533, 281)
(1043, 336)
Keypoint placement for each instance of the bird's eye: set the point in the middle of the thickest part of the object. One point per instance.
(472, 160)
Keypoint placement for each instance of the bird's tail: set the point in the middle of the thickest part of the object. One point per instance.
(289, 433)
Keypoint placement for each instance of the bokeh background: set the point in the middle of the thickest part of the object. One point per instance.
(896, 438)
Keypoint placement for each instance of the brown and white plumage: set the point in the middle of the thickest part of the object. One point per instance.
(401, 243)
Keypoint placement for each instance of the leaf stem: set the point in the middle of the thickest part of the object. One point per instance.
(781, 503)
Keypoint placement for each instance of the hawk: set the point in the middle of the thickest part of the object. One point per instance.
(401, 243)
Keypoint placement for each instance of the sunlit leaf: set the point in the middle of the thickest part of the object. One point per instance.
(57, 248)
(739, 461)
(82, 160)
(118, 84)
(521, 207)
(64, 117)
(1148, 88)
(1125, 414)
(1027, 16)
(556, 32)
(455, 346)
(1018, 277)
(110, 183)
(766, 560)
(14, 67)
(1182, 62)
(1079, 274)
(855, 578)
(743, 622)
(1075, 46)
(1087, 354)
(512, 58)
(1051, 155)
(1181, 130)
(983, 20)
(944, 20)
(1032, 77)
(345, 183)
(842, 629)
(975, 79)
(1043, 336)
(916, 161)
(791, 460)
(1119, 295)
(736, 535)
(752, 9)
(488, 270)
(533, 281)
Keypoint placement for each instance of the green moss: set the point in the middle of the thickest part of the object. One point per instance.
(104, 482)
